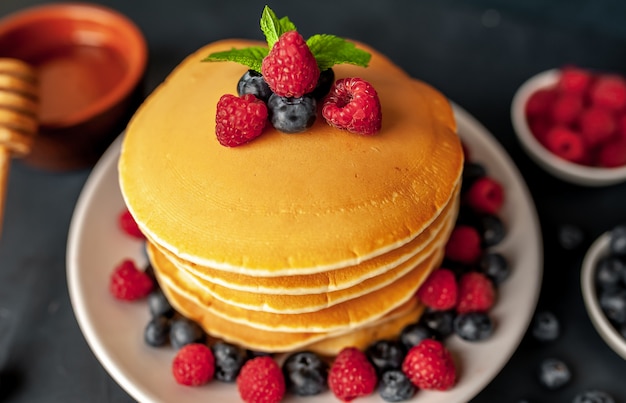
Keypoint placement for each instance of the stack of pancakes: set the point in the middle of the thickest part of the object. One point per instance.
(315, 240)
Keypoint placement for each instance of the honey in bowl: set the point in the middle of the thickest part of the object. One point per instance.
(90, 61)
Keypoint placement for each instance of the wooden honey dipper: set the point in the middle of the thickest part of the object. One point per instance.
(19, 104)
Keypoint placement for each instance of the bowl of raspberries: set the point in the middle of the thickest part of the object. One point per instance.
(603, 284)
(572, 122)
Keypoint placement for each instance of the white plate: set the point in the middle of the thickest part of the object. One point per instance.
(114, 330)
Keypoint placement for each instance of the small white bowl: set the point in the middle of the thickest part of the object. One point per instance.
(606, 330)
(560, 168)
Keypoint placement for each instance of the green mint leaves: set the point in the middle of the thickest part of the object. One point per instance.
(328, 50)
(273, 28)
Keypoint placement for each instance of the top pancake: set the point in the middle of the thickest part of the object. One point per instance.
(314, 201)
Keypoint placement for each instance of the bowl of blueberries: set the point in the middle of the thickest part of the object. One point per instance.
(603, 283)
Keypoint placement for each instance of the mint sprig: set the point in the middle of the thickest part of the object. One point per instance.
(328, 50)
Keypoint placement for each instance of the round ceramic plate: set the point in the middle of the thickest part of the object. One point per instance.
(114, 329)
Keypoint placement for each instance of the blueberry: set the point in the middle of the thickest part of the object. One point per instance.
(324, 83)
(545, 326)
(305, 374)
(252, 82)
(184, 331)
(554, 373)
(156, 333)
(473, 326)
(618, 240)
(613, 304)
(440, 322)
(292, 115)
(570, 236)
(593, 396)
(610, 271)
(414, 333)
(385, 354)
(159, 305)
(228, 361)
(395, 386)
(491, 229)
(495, 266)
(471, 172)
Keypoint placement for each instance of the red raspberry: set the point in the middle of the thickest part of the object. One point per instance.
(464, 245)
(429, 365)
(613, 154)
(566, 108)
(239, 119)
(609, 91)
(574, 80)
(597, 125)
(540, 102)
(439, 290)
(476, 293)
(353, 104)
(290, 69)
(128, 224)
(261, 380)
(486, 195)
(566, 144)
(351, 375)
(193, 365)
(621, 126)
(129, 283)
(539, 128)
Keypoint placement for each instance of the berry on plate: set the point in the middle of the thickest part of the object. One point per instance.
(129, 225)
(261, 380)
(395, 386)
(129, 283)
(464, 245)
(476, 293)
(485, 195)
(352, 375)
(305, 373)
(193, 365)
(439, 290)
(430, 366)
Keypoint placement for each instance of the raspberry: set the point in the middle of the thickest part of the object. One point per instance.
(613, 154)
(476, 293)
(621, 126)
(539, 128)
(439, 290)
(539, 102)
(609, 91)
(239, 119)
(464, 245)
(597, 125)
(290, 68)
(129, 283)
(429, 365)
(351, 375)
(353, 104)
(128, 224)
(486, 195)
(193, 365)
(566, 108)
(566, 144)
(261, 380)
(574, 80)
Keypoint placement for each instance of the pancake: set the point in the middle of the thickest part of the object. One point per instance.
(276, 341)
(287, 204)
(323, 282)
(343, 316)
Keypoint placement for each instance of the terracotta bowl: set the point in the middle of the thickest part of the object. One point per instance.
(90, 61)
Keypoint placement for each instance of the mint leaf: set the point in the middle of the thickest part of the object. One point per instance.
(251, 56)
(330, 50)
(273, 27)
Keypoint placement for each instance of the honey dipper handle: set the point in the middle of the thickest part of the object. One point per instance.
(5, 161)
